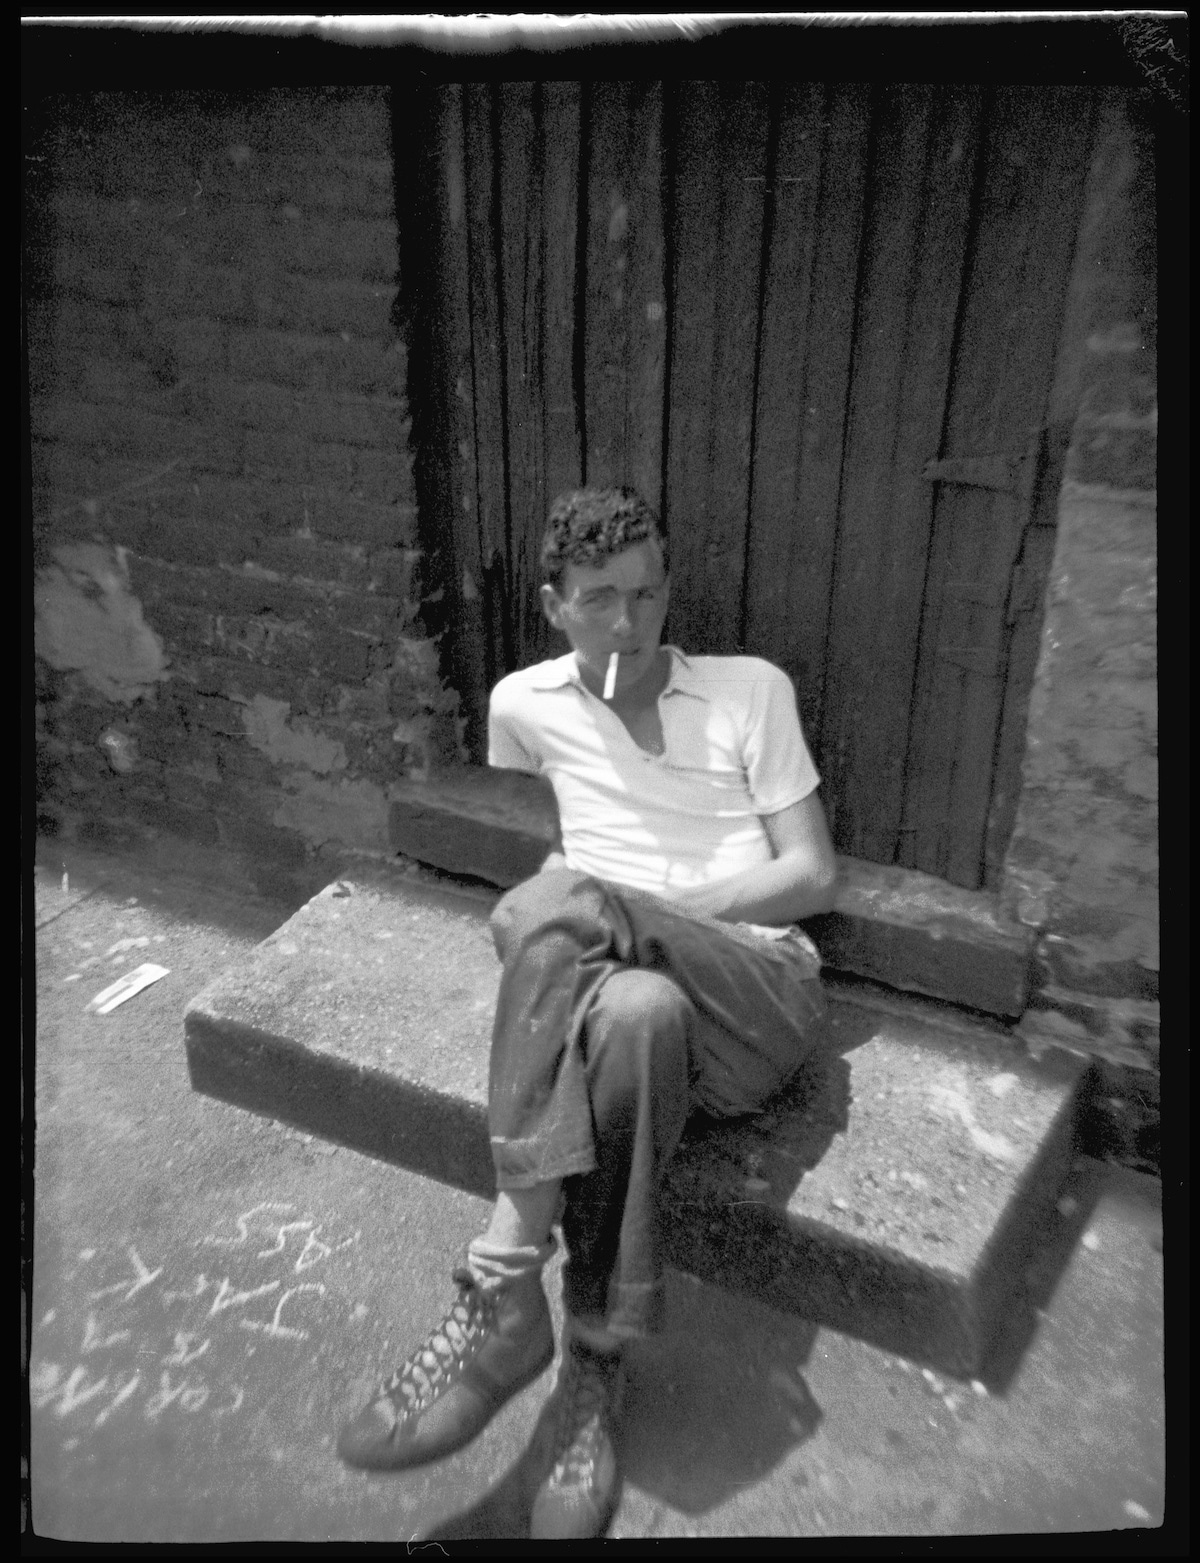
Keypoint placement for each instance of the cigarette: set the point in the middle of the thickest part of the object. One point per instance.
(610, 678)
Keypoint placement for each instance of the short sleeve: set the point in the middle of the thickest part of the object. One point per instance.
(506, 748)
(779, 767)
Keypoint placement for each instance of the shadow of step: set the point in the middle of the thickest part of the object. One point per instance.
(894, 1192)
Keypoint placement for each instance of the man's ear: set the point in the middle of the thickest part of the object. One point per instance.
(552, 606)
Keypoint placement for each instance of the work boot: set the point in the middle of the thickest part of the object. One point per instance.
(492, 1343)
(578, 1497)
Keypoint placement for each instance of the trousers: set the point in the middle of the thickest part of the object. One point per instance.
(617, 1017)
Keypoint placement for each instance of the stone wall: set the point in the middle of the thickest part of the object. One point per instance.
(1083, 863)
(227, 572)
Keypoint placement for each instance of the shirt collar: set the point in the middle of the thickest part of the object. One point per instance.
(561, 671)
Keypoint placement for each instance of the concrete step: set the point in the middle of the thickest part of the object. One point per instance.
(888, 924)
(893, 1193)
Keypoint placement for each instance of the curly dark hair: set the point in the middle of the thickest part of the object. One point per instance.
(589, 525)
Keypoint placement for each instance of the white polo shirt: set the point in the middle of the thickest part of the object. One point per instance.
(733, 751)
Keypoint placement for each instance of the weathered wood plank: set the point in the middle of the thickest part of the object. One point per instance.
(1025, 230)
(804, 369)
(853, 762)
(523, 269)
(1025, 616)
(695, 238)
(774, 609)
(720, 190)
(920, 194)
(646, 295)
(744, 141)
(561, 145)
(488, 365)
(606, 323)
(544, 417)
(624, 297)
(463, 565)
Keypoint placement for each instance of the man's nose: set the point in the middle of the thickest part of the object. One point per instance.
(624, 618)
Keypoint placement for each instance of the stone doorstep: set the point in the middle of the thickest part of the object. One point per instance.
(891, 925)
(892, 1193)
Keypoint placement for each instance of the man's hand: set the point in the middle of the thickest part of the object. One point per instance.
(799, 881)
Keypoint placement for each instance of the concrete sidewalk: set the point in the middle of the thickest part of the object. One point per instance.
(214, 1294)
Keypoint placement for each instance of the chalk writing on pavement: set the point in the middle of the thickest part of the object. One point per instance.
(139, 1335)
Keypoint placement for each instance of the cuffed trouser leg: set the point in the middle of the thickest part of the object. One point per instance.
(636, 1040)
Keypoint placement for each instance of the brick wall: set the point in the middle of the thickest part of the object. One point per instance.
(224, 515)
(1083, 863)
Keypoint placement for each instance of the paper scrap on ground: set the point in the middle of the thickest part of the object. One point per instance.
(125, 987)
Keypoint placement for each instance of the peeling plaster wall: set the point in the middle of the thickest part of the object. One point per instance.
(1082, 866)
(346, 812)
(87, 620)
(298, 744)
(228, 576)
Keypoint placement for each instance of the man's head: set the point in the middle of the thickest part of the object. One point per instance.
(589, 525)
(604, 564)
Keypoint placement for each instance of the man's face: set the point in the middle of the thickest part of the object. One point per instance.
(620, 605)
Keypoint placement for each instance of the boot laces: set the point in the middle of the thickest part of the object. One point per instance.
(414, 1385)
(583, 1406)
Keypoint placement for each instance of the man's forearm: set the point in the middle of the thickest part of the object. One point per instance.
(782, 891)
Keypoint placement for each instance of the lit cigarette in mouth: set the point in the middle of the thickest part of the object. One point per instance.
(610, 678)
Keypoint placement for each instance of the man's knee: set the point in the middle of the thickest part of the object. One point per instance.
(644, 1016)
(637, 1039)
(534, 903)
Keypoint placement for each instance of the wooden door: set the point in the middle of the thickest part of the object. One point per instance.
(816, 326)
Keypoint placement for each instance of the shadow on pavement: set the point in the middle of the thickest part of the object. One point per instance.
(1045, 1260)
(712, 1405)
(209, 885)
(718, 1400)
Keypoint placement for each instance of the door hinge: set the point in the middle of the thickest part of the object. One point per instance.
(974, 591)
(1028, 589)
(973, 658)
(994, 472)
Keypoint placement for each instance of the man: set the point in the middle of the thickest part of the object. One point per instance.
(650, 968)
